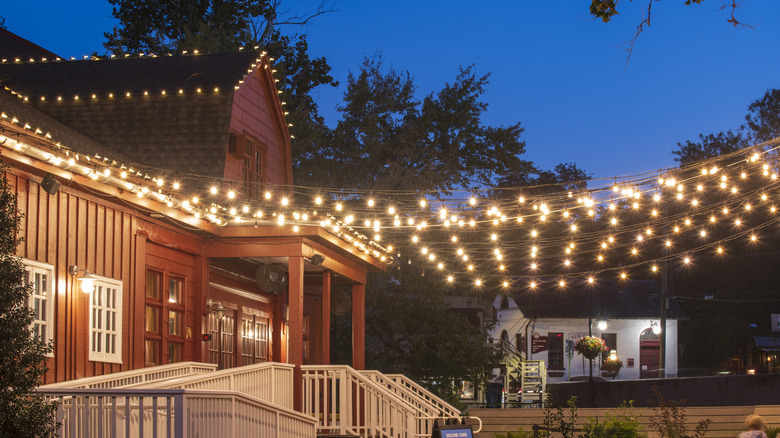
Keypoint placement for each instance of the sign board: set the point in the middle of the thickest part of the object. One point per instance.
(538, 343)
(459, 432)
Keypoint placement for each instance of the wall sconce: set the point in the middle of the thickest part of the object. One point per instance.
(612, 355)
(216, 307)
(602, 322)
(86, 280)
(656, 328)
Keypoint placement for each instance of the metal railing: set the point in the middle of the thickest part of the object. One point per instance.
(86, 413)
(134, 377)
(269, 381)
(346, 402)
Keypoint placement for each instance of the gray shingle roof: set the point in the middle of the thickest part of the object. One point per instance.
(184, 132)
(628, 299)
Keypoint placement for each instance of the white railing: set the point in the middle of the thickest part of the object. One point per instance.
(86, 413)
(346, 402)
(141, 375)
(269, 381)
(447, 409)
(425, 412)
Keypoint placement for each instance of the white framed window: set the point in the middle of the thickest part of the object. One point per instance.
(41, 278)
(105, 321)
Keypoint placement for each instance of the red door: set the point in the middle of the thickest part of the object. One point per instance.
(649, 354)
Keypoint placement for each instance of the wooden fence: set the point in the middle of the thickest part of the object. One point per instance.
(727, 421)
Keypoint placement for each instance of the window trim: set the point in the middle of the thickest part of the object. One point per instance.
(94, 356)
(29, 267)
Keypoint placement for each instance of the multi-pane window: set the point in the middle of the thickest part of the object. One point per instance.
(254, 339)
(41, 301)
(222, 330)
(253, 167)
(175, 319)
(555, 351)
(105, 321)
(164, 318)
(152, 319)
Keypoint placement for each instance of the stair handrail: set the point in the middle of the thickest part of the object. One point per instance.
(376, 427)
(448, 409)
(136, 376)
(278, 389)
(508, 347)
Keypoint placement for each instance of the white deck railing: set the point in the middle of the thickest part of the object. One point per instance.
(269, 381)
(447, 409)
(133, 377)
(85, 413)
(346, 402)
(425, 411)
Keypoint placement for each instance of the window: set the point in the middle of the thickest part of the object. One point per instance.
(611, 340)
(253, 167)
(254, 339)
(164, 319)
(105, 321)
(555, 351)
(41, 301)
(152, 322)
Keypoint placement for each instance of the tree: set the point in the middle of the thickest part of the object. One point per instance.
(709, 146)
(763, 118)
(23, 362)
(411, 330)
(388, 139)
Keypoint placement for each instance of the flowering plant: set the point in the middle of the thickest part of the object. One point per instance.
(590, 346)
(611, 367)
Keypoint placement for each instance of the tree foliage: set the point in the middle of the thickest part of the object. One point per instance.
(23, 361)
(411, 330)
(388, 139)
(763, 124)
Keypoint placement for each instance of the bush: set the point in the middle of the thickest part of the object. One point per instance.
(622, 423)
(519, 434)
(773, 432)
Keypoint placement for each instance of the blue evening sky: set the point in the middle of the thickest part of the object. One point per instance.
(554, 69)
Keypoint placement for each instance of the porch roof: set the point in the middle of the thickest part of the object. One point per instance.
(627, 299)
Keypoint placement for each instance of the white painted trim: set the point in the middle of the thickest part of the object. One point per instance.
(240, 293)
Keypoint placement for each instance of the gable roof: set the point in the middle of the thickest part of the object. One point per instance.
(168, 112)
(627, 299)
(14, 47)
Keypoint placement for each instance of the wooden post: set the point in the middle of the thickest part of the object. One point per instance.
(295, 330)
(325, 340)
(359, 326)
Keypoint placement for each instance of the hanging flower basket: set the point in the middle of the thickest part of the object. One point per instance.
(611, 367)
(590, 346)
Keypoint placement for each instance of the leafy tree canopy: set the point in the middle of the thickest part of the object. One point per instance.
(388, 139)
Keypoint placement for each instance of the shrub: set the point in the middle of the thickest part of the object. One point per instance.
(670, 420)
(621, 423)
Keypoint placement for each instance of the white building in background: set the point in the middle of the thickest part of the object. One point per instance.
(543, 322)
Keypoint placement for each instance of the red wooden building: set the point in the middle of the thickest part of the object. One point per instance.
(162, 177)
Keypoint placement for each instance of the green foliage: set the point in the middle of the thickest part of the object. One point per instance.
(556, 420)
(519, 434)
(410, 330)
(590, 346)
(22, 363)
(389, 139)
(621, 423)
(670, 420)
(772, 432)
(709, 146)
(763, 118)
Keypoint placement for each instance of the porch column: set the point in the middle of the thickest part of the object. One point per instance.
(325, 331)
(359, 326)
(295, 331)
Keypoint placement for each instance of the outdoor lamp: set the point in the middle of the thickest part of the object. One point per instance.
(612, 355)
(602, 324)
(216, 307)
(86, 280)
(656, 328)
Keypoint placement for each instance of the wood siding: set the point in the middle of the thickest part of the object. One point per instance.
(255, 113)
